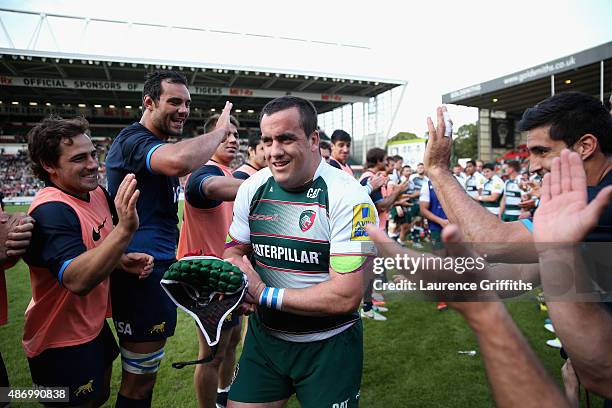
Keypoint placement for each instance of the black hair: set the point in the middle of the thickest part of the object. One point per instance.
(571, 115)
(153, 80)
(375, 155)
(340, 135)
(490, 166)
(324, 145)
(308, 113)
(45, 138)
(472, 162)
(254, 139)
(515, 165)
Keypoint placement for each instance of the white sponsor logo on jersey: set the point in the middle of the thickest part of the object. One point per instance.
(287, 254)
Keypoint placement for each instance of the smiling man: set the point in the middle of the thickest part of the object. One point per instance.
(143, 314)
(303, 222)
(74, 249)
(341, 150)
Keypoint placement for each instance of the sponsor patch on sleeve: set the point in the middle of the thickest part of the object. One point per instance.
(363, 214)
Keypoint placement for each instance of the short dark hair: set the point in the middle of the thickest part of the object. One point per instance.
(515, 165)
(308, 113)
(420, 164)
(340, 135)
(210, 124)
(153, 80)
(45, 138)
(397, 157)
(472, 162)
(570, 116)
(375, 155)
(254, 139)
(490, 166)
(324, 145)
(406, 167)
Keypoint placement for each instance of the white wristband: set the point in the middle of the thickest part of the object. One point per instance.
(272, 298)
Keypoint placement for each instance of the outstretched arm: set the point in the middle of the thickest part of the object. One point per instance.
(181, 158)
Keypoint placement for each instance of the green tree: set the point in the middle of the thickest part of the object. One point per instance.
(401, 136)
(465, 144)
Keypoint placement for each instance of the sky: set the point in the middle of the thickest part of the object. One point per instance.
(436, 46)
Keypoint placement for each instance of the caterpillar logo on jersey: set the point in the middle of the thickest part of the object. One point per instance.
(307, 220)
(363, 214)
(287, 254)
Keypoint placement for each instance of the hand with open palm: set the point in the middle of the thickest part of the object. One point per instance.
(564, 215)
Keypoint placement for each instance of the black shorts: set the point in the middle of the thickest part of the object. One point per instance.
(142, 311)
(81, 368)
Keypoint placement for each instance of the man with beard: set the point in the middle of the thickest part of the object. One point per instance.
(304, 224)
(209, 195)
(143, 314)
(570, 120)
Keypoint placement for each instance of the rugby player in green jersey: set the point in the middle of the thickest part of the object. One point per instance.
(303, 224)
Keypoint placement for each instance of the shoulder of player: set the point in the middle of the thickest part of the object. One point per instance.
(343, 190)
(54, 213)
(254, 182)
(338, 181)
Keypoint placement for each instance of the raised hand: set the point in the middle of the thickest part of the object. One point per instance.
(224, 119)
(125, 203)
(564, 215)
(377, 181)
(438, 149)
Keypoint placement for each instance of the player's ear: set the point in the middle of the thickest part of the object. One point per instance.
(147, 103)
(586, 146)
(315, 138)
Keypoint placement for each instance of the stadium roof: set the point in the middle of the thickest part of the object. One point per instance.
(588, 71)
(51, 58)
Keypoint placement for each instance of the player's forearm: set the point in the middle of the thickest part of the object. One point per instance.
(387, 202)
(181, 158)
(468, 215)
(516, 376)
(235, 253)
(340, 295)
(478, 224)
(221, 188)
(90, 268)
(584, 328)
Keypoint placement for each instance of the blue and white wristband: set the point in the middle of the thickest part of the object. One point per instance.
(272, 298)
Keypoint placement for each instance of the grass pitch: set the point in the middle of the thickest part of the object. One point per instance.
(411, 359)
